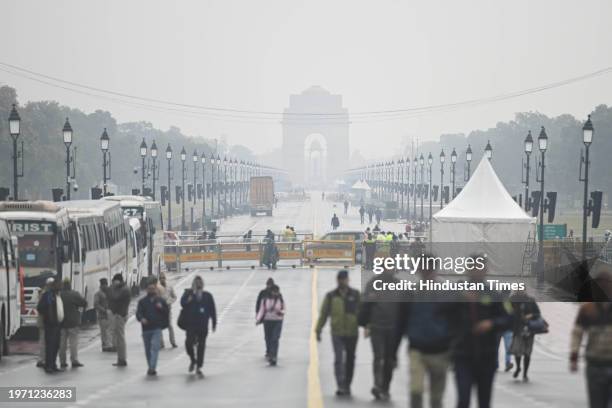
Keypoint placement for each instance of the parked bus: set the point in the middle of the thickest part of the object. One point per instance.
(99, 239)
(149, 212)
(10, 289)
(137, 262)
(41, 229)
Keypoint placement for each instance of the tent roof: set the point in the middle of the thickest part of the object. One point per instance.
(361, 185)
(483, 199)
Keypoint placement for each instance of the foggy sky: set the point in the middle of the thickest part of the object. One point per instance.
(253, 54)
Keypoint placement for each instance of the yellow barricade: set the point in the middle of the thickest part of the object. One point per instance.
(329, 251)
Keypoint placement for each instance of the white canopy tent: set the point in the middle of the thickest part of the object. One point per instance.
(484, 213)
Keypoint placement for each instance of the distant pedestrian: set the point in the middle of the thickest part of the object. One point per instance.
(103, 315)
(152, 313)
(51, 308)
(369, 249)
(362, 214)
(270, 253)
(378, 214)
(247, 238)
(524, 309)
(73, 302)
(594, 320)
(335, 222)
(370, 214)
(167, 293)
(198, 309)
(346, 206)
(271, 314)
(119, 298)
(341, 305)
(323, 195)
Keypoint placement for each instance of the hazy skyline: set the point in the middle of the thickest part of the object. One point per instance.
(253, 55)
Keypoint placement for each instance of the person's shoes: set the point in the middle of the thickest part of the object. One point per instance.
(509, 366)
(162, 346)
(63, 365)
(151, 372)
(377, 393)
(385, 396)
(49, 370)
(174, 345)
(516, 372)
(76, 364)
(343, 392)
(40, 364)
(191, 367)
(272, 362)
(120, 363)
(199, 372)
(525, 378)
(108, 349)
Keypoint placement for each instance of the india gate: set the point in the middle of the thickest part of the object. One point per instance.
(315, 137)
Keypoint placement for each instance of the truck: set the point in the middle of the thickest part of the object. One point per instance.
(261, 194)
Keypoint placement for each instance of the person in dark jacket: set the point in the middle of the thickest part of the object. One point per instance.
(524, 308)
(271, 314)
(335, 222)
(198, 308)
(477, 320)
(341, 305)
(119, 297)
(379, 314)
(73, 302)
(270, 253)
(369, 250)
(152, 313)
(429, 339)
(52, 316)
(260, 298)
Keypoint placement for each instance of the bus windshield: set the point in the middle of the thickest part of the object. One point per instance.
(37, 250)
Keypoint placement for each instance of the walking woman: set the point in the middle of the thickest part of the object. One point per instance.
(198, 308)
(524, 308)
(271, 314)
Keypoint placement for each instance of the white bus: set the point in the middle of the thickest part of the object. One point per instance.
(99, 239)
(10, 289)
(44, 244)
(137, 262)
(149, 212)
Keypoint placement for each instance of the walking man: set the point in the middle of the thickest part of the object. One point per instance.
(152, 313)
(119, 301)
(51, 308)
(335, 222)
(167, 293)
(346, 206)
(103, 315)
(73, 302)
(362, 214)
(41, 326)
(198, 308)
(341, 305)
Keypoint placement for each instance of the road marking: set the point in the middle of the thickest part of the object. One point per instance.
(315, 399)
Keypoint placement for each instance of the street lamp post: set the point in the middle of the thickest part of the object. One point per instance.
(543, 145)
(218, 185)
(67, 135)
(225, 187)
(195, 159)
(468, 159)
(402, 186)
(415, 164)
(528, 150)
(430, 163)
(143, 156)
(203, 158)
(104, 145)
(442, 158)
(587, 139)
(422, 163)
(407, 189)
(183, 158)
(154, 167)
(453, 163)
(14, 130)
(488, 150)
(169, 159)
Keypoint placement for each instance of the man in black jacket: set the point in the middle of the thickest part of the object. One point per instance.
(52, 317)
(73, 301)
(119, 298)
(152, 313)
(260, 298)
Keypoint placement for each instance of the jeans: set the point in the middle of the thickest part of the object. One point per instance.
(192, 338)
(272, 333)
(470, 372)
(599, 385)
(507, 338)
(344, 360)
(52, 341)
(69, 336)
(152, 343)
(384, 347)
(434, 365)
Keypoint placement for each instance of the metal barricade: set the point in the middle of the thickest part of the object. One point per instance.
(326, 251)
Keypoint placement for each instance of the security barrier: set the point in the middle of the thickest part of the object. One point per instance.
(329, 251)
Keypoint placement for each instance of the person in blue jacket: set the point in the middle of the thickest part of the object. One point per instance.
(152, 313)
(198, 308)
